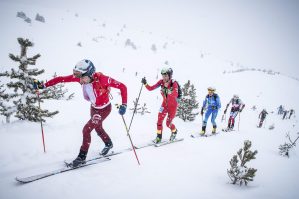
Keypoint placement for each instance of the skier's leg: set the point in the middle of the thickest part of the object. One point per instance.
(98, 119)
(213, 118)
(204, 123)
(169, 124)
(170, 117)
(233, 119)
(161, 115)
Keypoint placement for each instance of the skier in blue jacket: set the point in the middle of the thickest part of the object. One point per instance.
(211, 104)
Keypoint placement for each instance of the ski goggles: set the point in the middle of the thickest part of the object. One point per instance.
(78, 74)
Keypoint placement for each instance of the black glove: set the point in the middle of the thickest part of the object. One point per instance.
(225, 111)
(143, 81)
(38, 84)
(122, 109)
(201, 112)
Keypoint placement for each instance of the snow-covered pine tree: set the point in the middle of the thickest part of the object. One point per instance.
(240, 173)
(5, 109)
(57, 91)
(20, 96)
(188, 103)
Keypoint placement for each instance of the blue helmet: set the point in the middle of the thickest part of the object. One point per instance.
(84, 68)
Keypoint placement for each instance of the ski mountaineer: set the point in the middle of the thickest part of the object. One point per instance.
(96, 90)
(280, 110)
(169, 92)
(212, 104)
(285, 112)
(237, 106)
(262, 116)
(291, 113)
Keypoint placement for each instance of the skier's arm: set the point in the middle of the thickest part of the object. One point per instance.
(62, 79)
(218, 102)
(116, 84)
(227, 106)
(150, 88)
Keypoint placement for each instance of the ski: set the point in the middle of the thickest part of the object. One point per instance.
(205, 135)
(68, 166)
(58, 171)
(227, 130)
(167, 142)
(145, 145)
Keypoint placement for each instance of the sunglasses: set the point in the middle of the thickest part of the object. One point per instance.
(77, 74)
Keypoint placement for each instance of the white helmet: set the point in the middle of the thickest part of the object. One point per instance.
(84, 68)
(167, 71)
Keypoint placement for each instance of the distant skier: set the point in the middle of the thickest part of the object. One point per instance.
(212, 104)
(291, 113)
(96, 89)
(262, 117)
(285, 112)
(169, 92)
(237, 106)
(280, 110)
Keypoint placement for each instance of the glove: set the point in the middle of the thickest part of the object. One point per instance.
(201, 112)
(38, 85)
(143, 81)
(214, 107)
(122, 109)
(225, 111)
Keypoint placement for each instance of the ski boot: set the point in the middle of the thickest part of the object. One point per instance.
(203, 131)
(158, 139)
(173, 135)
(108, 146)
(80, 160)
(214, 130)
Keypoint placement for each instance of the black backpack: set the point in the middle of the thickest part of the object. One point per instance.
(179, 89)
(214, 95)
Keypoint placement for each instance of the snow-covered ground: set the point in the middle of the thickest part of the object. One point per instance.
(194, 168)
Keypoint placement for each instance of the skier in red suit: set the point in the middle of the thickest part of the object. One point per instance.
(169, 92)
(96, 90)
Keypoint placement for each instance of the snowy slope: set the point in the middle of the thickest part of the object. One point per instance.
(190, 169)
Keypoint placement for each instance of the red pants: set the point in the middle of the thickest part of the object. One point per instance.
(95, 122)
(171, 111)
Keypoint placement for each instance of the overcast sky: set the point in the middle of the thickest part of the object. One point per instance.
(259, 33)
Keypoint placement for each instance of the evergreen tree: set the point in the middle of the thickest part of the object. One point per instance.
(240, 173)
(57, 91)
(188, 103)
(19, 95)
(6, 109)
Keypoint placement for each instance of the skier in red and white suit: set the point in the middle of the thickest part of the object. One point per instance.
(169, 92)
(96, 88)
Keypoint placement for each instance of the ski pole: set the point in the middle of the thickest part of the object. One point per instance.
(41, 121)
(239, 121)
(135, 107)
(128, 134)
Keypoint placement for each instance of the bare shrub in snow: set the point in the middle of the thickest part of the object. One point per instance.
(286, 147)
